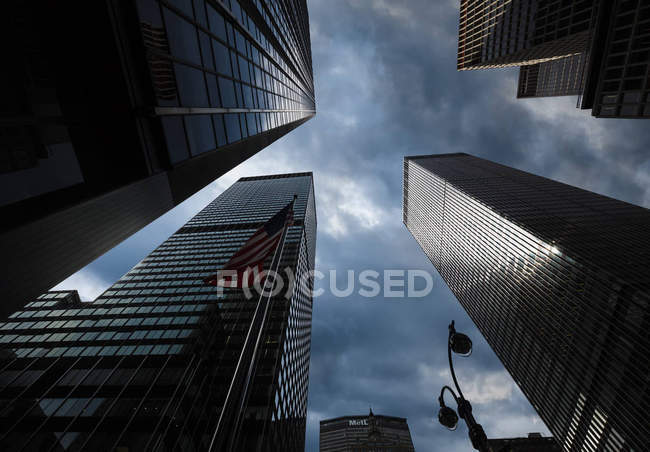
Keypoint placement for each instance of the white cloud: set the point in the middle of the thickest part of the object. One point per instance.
(87, 283)
(479, 388)
(497, 402)
(512, 425)
(430, 19)
(345, 205)
(487, 387)
(394, 10)
(560, 117)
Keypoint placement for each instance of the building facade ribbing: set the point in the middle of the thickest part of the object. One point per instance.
(556, 280)
(115, 112)
(604, 44)
(147, 365)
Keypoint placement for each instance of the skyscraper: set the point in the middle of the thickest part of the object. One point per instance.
(371, 433)
(115, 112)
(556, 279)
(597, 49)
(150, 363)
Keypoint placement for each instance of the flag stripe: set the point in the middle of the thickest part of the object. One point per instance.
(262, 253)
(253, 253)
(246, 256)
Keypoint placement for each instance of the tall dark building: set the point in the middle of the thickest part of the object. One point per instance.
(534, 442)
(556, 279)
(148, 364)
(597, 49)
(371, 433)
(561, 77)
(114, 112)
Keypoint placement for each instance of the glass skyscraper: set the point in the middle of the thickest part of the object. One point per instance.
(556, 279)
(147, 365)
(114, 112)
(597, 49)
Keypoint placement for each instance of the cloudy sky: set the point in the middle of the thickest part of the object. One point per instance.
(386, 86)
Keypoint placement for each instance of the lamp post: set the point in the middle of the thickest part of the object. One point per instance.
(461, 344)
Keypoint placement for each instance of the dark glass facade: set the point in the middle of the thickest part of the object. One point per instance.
(598, 49)
(556, 279)
(371, 433)
(114, 112)
(623, 88)
(518, 32)
(147, 365)
(561, 77)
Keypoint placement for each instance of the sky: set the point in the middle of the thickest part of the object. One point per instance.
(387, 86)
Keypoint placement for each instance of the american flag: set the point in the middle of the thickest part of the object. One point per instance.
(249, 259)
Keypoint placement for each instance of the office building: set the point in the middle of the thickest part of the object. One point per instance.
(597, 49)
(555, 278)
(519, 32)
(561, 77)
(534, 442)
(149, 363)
(115, 112)
(371, 433)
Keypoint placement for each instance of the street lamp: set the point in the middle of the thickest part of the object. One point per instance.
(461, 344)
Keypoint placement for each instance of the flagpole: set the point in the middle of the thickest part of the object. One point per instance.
(228, 427)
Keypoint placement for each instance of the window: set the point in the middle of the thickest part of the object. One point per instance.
(222, 58)
(73, 337)
(232, 127)
(89, 336)
(199, 133)
(170, 334)
(154, 334)
(108, 350)
(182, 38)
(73, 351)
(227, 89)
(90, 351)
(138, 334)
(126, 350)
(175, 138)
(243, 70)
(213, 90)
(160, 349)
(106, 335)
(143, 349)
(217, 23)
(191, 86)
(206, 51)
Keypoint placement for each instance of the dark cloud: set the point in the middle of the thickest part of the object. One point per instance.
(387, 86)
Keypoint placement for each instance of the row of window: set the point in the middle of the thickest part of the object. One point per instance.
(108, 350)
(92, 311)
(95, 335)
(134, 321)
(299, 52)
(241, 62)
(191, 135)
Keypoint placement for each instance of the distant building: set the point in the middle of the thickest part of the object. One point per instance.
(555, 278)
(535, 442)
(149, 363)
(371, 433)
(598, 49)
(112, 113)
